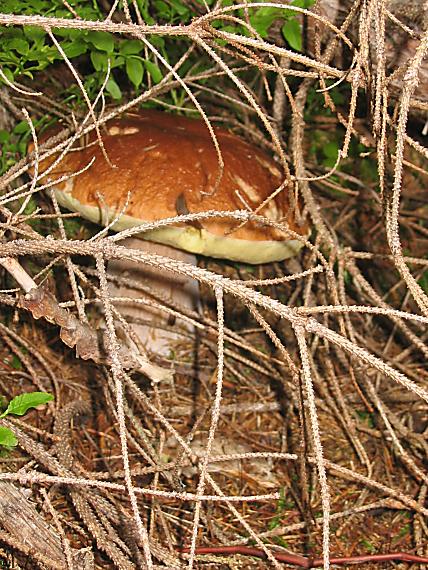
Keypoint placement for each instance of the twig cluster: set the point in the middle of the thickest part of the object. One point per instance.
(324, 338)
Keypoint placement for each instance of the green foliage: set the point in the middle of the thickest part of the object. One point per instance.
(72, 227)
(371, 548)
(86, 10)
(28, 50)
(7, 438)
(19, 406)
(172, 11)
(282, 506)
(330, 151)
(325, 144)
(16, 363)
(316, 103)
(263, 18)
(14, 144)
(366, 418)
(423, 281)
(135, 70)
(404, 530)
(153, 70)
(292, 32)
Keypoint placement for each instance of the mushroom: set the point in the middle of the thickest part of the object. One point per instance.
(163, 165)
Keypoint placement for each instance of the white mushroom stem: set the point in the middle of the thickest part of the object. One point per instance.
(163, 333)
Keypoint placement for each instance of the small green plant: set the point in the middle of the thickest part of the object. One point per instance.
(370, 547)
(404, 530)
(281, 509)
(366, 417)
(28, 50)
(19, 406)
(262, 19)
(291, 29)
(13, 144)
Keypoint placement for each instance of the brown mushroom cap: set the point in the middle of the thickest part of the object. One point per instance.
(168, 165)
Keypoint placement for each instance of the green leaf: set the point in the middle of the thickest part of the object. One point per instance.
(330, 150)
(99, 60)
(21, 128)
(4, 136)
(18, 44)
(134, 70)
(34, 34)
(162, 9)
(143, 6)
(8, 74)
(292, 33)
(72, 228)
(338, 97)
(130, 47)
(28, 210)
(7, 438)
(16, 363)
(22, 147)
(117, 61)
(157, 41)
(88, 12)
(74, 49)
(423, 281)
(22, 403)
(180, 8)
(101, 40)
(75, 35)
(113, 89)
(303, 3)
(263, 18)
(153, 69)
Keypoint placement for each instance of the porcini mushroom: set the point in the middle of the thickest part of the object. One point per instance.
(164, 165)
